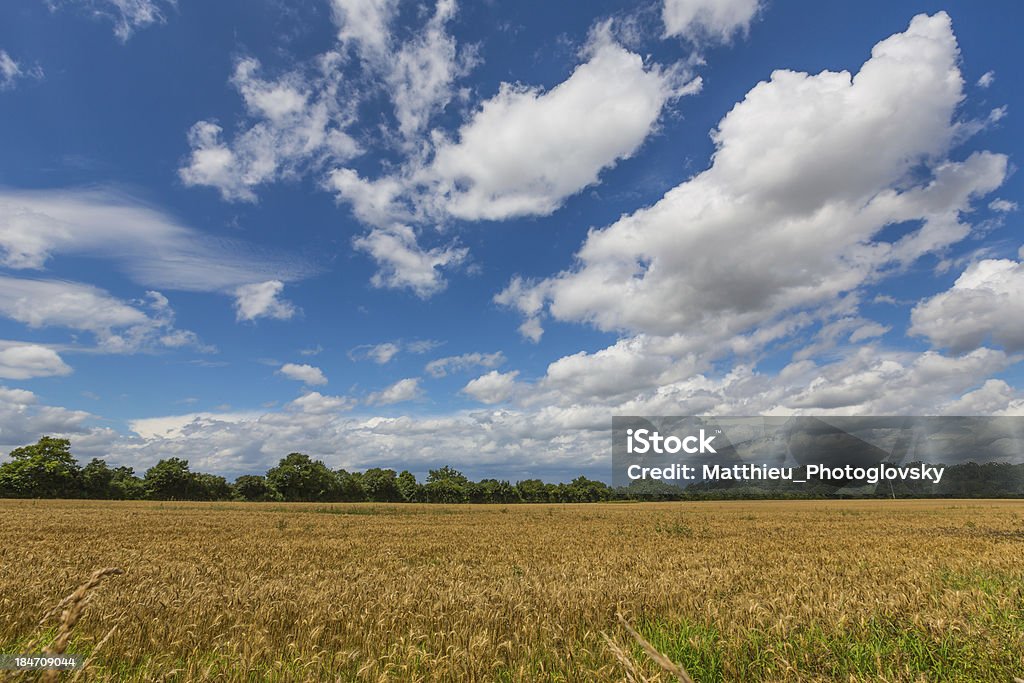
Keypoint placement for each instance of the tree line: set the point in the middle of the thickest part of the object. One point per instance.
(47, 469)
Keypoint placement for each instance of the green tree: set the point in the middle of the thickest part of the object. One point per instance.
(212, 487)
(493, 491)
(350, 486)
(170, 479)
(532, 491)
(408, 487)
(299, 477)
(583, 490)
(381, 485)
(124, 485)
(446, 485)
(44, 469)
(252, 488)
(96, 479)
(447, 473)
(505, 492)
(558, 493)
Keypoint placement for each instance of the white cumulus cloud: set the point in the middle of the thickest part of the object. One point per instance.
(25, 361)
(402, 390)
(403, 263)
(986, 303)
(563, 434)
(298, 124)
(24, 418)
(262, 300)
(525, 150)
(808, 170)
(708, 20)
(494, 387)
(994, 397)
(365, 25)
(303, 372)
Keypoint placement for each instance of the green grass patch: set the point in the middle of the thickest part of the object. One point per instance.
(878, 649)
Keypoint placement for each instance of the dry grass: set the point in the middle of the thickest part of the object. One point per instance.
(759, 591)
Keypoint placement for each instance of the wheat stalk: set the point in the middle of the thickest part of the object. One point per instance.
(73, 606)
(632, 674)
(92, 655)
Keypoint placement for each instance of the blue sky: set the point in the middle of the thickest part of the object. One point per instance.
(410, 234)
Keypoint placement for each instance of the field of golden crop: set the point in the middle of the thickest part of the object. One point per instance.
(733, 591)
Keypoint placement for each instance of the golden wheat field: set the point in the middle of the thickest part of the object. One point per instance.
(731, 591)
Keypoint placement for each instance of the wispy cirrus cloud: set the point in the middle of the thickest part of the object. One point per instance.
(441, 367)
(384, 352)
(12, 71)
(128, 16)
(146, 244)
(117, 326)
